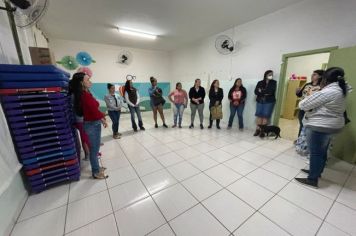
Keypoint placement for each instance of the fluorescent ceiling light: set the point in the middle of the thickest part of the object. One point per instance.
(136, 33)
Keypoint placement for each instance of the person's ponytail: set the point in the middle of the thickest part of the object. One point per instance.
(343, 86)
(336, 74)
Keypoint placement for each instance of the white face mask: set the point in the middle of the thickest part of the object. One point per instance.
(270, 77)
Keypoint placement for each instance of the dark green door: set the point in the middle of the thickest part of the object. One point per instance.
(344, 146)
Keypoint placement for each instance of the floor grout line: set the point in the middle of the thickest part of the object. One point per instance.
(200, 171)
(150, 195)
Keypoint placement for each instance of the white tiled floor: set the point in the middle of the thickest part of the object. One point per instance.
(165, 182)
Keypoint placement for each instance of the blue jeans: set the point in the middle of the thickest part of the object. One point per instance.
(115, 117)
(93, 130)
(301, 114)
(318, 144)
(239, 110)
(178, 110)
(136, 110)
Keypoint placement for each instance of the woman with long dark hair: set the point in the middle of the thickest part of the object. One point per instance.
(132, 98)
(196, 96)
(265, 97)
(237, 96)
(87, 106)
(113, 104)
(216, 96)
(307, 90)
(157, 101)
(180, 100)
(324, 117)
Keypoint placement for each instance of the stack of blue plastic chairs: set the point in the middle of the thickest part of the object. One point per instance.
(39, 114)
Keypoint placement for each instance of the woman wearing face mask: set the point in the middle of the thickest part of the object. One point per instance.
(216, 96)
(157, 101)
(196, 96)
(180, 100)
(113, 104)
(237, 96)
(87, 106)
(265, 91)
(307, 90)
(324, 117)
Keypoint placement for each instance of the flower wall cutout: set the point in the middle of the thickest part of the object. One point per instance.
(72, 63)
(84, 58)
(68, 62)
(86, 70)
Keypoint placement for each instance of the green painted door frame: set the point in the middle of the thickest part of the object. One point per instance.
(282, 76)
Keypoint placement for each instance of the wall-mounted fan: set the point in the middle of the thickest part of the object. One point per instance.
(225, 45)
(125, 58)
(23, 13)
(30, 16)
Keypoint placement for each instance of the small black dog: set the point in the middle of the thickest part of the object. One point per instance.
(272, 129)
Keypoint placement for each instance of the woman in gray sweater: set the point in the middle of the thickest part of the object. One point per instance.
(114, 104)
(324, 117)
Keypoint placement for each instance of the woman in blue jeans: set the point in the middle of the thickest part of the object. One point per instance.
(265, 100)
(237, 96)
(87, 106)
(132, 98)
(324, 117)
(114, 104)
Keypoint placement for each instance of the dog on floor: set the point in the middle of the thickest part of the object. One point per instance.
(272, 129)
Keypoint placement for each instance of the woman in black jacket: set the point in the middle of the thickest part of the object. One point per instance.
(265, 91)
(216, 96)
(237, 96)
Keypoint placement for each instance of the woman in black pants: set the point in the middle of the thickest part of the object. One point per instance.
(216, 96)
(306, 90)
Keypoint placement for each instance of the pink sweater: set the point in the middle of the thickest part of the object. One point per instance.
(179, 97)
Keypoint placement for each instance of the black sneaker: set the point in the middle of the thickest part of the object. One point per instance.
(191, 126)
(209, 127)
(307, 172)
(180, 126)
(201, 126)
(257, 132)
(165, 126)
(156, 126)
(142, 128)
(135, 130)
(218, 127)
(307, 182)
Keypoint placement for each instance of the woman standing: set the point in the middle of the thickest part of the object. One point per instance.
(180, 101)
(216, 96)
(265, 91)
(157, 101)
(113, 104)
(324, 117)
(132, 98)
(308, 88)
(85, 105)
(196, 96)
(79, 123)
(237, 97)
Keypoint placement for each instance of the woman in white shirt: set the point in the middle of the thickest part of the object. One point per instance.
(324, 117)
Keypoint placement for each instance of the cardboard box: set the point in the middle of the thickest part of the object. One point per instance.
(41, 56)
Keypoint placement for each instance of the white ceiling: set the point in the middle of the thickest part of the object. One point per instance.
(178, 22)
